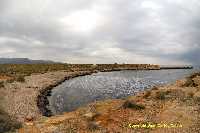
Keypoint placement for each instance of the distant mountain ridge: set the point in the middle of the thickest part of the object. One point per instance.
(24, 61)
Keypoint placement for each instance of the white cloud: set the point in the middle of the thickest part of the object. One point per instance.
(5, 51)
(150, 5)
(83, 21)
(4, 39)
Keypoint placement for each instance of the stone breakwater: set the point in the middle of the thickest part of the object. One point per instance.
(127, 67)
(113, 67)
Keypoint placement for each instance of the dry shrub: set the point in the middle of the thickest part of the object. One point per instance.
(155, 88)
(20, 78)
(147, 94)
(161, 95)
(132, 105)
(190, 82)
(1, 84)
(194, 75)
(93, 126)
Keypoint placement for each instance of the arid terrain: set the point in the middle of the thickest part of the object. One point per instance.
(170, 108)
(173, 108)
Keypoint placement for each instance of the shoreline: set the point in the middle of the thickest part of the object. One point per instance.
(178, 102)
(27, 100)
(21, 99)
(43, 102)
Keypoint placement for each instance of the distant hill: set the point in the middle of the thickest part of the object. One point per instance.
(24, 61)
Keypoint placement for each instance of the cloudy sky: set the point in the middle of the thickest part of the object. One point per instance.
(101, 31)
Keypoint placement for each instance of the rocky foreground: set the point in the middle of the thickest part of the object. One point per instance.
(173, 108)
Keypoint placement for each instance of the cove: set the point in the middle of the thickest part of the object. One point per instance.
(79, 91)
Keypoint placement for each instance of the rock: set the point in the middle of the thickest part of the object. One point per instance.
(29, 118)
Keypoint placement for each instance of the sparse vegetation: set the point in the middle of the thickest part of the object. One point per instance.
(27, 69)
(16, 70)
(132, 105)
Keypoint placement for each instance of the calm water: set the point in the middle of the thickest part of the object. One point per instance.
(79, 91)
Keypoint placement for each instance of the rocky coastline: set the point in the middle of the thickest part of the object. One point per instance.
(175, 104)
(42, 101)
(27, 101)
